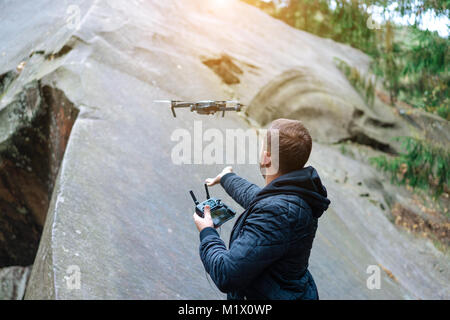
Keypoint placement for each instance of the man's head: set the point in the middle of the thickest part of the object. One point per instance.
(292, 150)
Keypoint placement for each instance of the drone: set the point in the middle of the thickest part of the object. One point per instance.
(204, 107)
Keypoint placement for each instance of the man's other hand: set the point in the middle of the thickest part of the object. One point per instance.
(205, 222)
(212, 181)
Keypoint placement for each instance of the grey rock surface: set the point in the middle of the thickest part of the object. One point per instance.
(120, 217)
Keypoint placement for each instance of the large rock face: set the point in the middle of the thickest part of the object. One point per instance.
(119, 221)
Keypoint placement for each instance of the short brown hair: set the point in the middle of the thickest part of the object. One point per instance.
(295, 144)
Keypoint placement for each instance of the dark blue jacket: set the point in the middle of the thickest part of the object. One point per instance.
(271, 241)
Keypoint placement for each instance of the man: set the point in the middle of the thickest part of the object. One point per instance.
(272, 239)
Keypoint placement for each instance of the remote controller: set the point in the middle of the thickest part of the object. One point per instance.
(220, 212)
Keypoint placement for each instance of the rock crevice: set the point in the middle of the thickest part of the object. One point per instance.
(29, 161)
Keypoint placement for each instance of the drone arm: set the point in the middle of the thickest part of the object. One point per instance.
(231, 109)
(180, 104)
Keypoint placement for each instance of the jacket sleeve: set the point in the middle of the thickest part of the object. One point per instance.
(242, 191)
(263, 240)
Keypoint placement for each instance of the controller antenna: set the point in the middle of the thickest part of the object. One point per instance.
(207, 192)
(193, 197)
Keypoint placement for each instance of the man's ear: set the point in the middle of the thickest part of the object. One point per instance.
(266, 160)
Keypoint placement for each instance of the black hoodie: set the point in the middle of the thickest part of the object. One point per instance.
(306, 183)
(271, 241)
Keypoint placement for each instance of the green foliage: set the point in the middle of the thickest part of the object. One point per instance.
(412, 63)
(416, 69)
(385, 64)
(364, 84)
(426, 72)
(417, 7)
(423, 166)
(346, 23)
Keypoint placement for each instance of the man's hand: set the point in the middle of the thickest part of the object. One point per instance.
(212, 181)
(205, 222)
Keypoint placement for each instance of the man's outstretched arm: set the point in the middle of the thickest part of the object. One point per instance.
(251, 252)
(242, 191)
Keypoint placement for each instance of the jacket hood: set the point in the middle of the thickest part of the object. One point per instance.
(305, 183)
